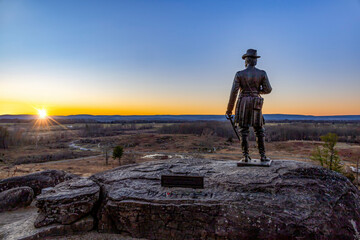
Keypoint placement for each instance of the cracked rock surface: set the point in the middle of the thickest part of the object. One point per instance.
(24, 229)
(289, 200)
(67, 202)
(36, 181)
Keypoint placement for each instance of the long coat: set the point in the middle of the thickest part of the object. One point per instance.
(250, 82)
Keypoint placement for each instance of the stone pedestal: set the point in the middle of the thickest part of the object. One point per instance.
(254, 163)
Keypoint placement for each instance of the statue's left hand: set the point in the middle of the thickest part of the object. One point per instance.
(228, 113)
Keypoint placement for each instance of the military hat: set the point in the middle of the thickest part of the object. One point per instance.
(250, 53)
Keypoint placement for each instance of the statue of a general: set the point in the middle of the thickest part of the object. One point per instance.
(248, 85)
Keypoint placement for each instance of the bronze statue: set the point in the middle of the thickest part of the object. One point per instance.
(248, 111)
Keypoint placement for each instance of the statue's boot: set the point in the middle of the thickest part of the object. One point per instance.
(264, 158)
(260, 139)
(246, 158)
(245, 144)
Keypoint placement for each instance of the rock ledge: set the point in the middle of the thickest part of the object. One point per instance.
(67, 202)
(285, 201)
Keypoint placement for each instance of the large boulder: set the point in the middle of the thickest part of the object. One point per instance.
(16, 198)
(67, 202)
(289, 200)
(36, 181)
(24, 229)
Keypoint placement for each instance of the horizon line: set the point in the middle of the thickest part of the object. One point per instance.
(26, 114)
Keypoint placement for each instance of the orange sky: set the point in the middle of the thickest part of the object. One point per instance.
(64, 94)
(175, 107)
(176, 57)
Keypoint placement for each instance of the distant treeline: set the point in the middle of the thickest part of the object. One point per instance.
(87, 120)
(62, 121)
(102, 130)
(347, 132)
(314, 121)
(16, 137)
(64, 154)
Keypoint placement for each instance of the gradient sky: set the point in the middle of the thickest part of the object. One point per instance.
(176, 57)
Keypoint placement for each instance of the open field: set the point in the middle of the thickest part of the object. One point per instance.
(79, 148)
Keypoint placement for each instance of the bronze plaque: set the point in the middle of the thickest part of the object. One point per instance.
(182, 181)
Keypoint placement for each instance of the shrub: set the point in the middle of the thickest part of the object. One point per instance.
(327, 155)
(118, 152)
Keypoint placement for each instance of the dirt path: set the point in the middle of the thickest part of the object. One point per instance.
(68, 160)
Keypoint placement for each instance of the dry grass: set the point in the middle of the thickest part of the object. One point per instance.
(189, 145)
(138, 143)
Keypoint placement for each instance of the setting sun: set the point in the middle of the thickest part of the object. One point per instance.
(42, 113)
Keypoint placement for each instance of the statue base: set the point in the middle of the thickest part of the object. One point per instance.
(254, 163)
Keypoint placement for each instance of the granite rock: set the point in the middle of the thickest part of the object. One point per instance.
(16, 198)
(24, 229)
(67, 202)
(36, 181)
(289, 200)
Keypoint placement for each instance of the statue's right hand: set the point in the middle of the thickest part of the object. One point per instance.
(228, 113)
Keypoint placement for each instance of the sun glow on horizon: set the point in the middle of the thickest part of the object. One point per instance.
(44, 120)
(42, 113)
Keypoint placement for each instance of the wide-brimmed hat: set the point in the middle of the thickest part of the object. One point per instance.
(250, 53)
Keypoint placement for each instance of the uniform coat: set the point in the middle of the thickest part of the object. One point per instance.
(248, 84)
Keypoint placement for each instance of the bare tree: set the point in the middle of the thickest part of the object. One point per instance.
(4, 137)
(106, 149)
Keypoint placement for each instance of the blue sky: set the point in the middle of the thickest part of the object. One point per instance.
(176, 57)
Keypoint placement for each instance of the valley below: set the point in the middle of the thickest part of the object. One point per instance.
(81, 148)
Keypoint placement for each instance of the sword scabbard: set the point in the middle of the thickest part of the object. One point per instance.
(233, 126)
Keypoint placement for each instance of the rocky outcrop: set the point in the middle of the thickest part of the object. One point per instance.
(36, 181)
(289, 200)
(67, 202)
(24, 229)
(15, 198)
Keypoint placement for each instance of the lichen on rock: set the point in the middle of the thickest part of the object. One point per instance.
(67, 202)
